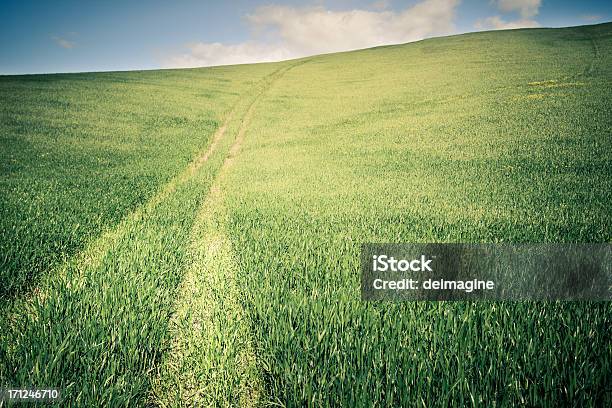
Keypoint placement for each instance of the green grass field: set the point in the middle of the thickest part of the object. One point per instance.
(192, 237)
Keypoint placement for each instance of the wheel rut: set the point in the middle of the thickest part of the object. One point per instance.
(212, 359)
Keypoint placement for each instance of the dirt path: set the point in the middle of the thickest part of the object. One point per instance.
(211, 361)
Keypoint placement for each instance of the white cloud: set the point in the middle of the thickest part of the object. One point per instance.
(497, 23)
(527, 8)
(64, 43)
(207, 54)
(299, 32)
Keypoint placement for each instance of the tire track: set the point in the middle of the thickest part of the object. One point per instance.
(93, 253)
(596, 55)
(77, 275)
(212, 361)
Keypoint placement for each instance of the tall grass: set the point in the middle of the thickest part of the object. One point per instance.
(96, 327)
(492, 137)
(81, 151)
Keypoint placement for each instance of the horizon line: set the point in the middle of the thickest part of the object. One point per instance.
(295, 59)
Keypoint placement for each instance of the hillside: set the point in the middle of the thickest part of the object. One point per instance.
(192, 236)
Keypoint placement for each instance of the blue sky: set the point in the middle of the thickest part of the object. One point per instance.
(72, 36)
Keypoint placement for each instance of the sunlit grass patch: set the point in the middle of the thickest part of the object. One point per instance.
(536, 96)
(547, 84)
(557, 84)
